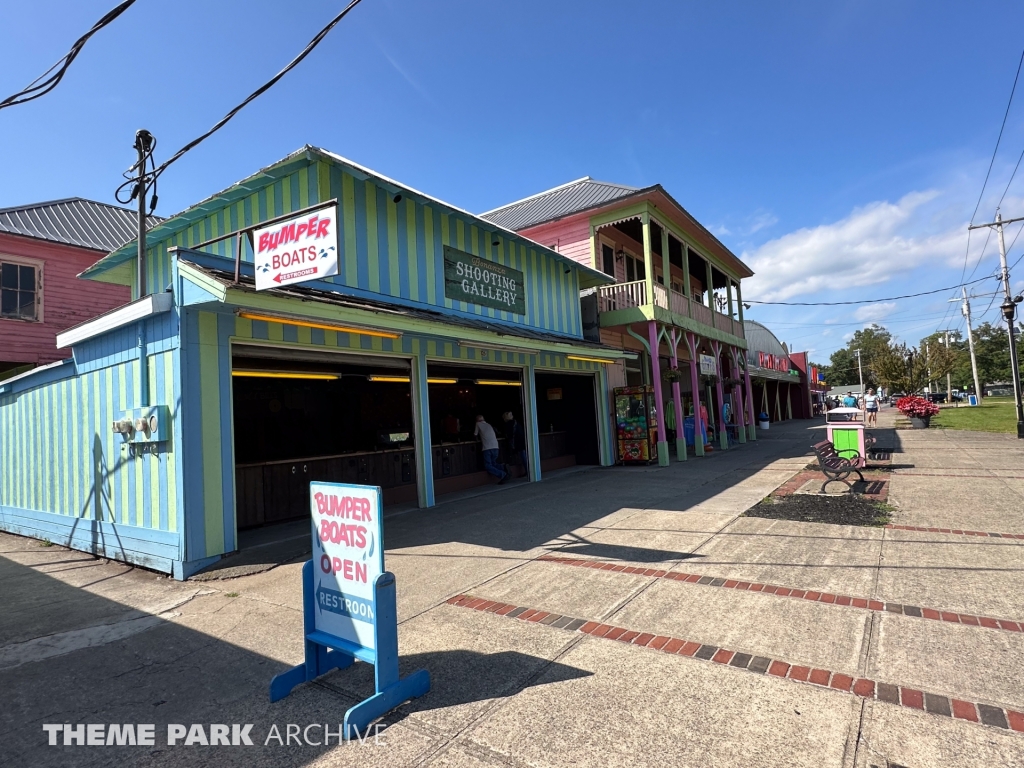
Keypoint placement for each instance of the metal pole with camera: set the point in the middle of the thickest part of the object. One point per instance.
(1009, 309)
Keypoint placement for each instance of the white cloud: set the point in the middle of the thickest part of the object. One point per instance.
(874, 312)
(870, 246)
(761, 221)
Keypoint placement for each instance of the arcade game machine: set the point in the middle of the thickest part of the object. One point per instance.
(636, 423)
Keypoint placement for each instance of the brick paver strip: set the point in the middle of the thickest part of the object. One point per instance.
(936, 704)
(820, 597)
(956, 531)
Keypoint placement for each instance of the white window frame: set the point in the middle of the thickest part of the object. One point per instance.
(37, 264)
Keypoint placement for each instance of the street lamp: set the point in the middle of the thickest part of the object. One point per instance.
(1009, 308)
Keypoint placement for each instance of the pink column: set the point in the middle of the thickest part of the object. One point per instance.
(652, 335)
(723, 436)
(752, 424)
(698, 442)
(737, 393)
(677, 400)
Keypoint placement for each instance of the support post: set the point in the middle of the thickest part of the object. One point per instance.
(737, 392)
(645, 219)
(424, 447)
(677, 399)
(698, 426)
(752, 421)
(686, 272)
(666, 265)
(723, 433)
(652, 333)
(532, 426)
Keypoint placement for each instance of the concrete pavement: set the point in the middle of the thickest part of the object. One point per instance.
(609, 617)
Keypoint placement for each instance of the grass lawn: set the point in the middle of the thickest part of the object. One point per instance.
(995, 414)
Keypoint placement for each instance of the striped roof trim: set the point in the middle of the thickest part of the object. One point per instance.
(73, 221)
(555, 203)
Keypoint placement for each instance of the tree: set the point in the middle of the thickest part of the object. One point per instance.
(900, 368)
(939, 358)
(843, 369)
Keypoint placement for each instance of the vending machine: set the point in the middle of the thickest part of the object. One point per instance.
(636, 425)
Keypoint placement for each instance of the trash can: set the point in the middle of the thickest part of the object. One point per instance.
(762, 420)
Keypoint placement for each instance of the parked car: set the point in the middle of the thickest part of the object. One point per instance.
(936, 397)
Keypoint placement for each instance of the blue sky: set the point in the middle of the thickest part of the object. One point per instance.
(838, 147)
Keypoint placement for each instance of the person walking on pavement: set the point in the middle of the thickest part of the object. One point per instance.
(516, 438)
(849, 401)
(871, 407)
(489, 447)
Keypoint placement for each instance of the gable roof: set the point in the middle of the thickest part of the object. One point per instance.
(73, 221)
(588, 276)
(557, 202)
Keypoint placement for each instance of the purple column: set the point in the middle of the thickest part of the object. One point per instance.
(652, 334)
(751, 427)
(723, 436)
(737, 393)
(698, 442)
(677, 400)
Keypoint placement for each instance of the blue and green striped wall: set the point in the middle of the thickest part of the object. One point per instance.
(387, 249)
(66, 476)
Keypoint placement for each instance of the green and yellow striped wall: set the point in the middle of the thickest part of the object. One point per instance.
(387, 249)
(65, 475)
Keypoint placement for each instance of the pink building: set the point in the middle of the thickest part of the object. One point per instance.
(43, 248)
(676, 302)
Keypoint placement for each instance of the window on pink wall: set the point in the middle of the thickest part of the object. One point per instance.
(19, 287)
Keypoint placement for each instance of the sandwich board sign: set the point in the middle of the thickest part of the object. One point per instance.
(348, 603)
(304, 247)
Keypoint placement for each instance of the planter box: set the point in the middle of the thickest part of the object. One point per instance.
(920, 423)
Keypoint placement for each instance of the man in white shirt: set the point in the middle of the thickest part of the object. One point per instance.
(489, 447)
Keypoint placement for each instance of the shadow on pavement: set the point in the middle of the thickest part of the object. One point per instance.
(167, 672)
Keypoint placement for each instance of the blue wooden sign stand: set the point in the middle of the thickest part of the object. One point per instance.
(325, 652)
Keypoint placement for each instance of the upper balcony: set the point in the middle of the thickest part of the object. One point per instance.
(625, 303)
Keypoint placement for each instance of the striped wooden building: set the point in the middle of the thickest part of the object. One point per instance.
(204, 407)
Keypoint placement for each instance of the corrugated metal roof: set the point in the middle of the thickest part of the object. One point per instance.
(74, 221)
(561, 201)
(760, 339)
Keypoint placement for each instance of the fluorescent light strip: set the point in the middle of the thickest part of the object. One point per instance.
(442, 381)
(390, 379)
(322, 326)
(495, 383)
(590, 359)
(284, 375)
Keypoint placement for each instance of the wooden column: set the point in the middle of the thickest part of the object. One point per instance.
(723, 436)
(698, 442)
(677, 399)
(652, 333)
(645, 219)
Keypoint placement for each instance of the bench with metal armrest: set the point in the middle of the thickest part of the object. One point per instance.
(836, 466)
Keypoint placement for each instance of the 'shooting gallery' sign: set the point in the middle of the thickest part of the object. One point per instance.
(475, 280)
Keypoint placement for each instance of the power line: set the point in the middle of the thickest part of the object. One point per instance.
(861, 301)
(998, 139)
(153, 174)
(46, 82)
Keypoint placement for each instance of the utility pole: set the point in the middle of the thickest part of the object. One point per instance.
(949, 376)
(143, 145)
(1009, 309)
(928, 361)
(966, 309)
(860, 372)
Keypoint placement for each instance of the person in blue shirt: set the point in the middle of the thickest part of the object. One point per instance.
(849, 401)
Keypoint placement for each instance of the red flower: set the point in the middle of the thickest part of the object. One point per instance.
(916, 407)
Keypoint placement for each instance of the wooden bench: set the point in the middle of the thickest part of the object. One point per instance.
(836, 467)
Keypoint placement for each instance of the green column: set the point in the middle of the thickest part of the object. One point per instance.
(532, 428)
(424, 449)
(648, 257)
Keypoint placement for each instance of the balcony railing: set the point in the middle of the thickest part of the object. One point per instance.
(634, 294)
(621, 296)
(679, 304)
(661, 295)
(701, 314)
